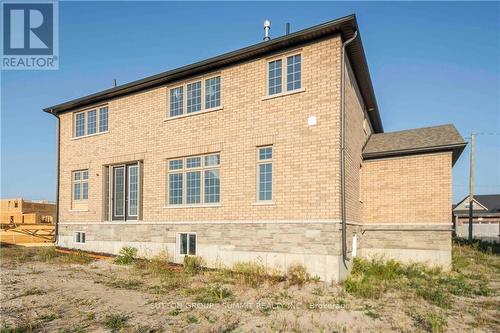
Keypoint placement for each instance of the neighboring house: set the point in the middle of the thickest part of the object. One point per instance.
(19, 211)
(238, 158)
(485, 217)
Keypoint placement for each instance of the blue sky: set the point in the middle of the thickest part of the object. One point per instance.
(431, 63)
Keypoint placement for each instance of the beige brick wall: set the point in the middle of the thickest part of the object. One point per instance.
(409, 189)
(355, 139)
(305, 169)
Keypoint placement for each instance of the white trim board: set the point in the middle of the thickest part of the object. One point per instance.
(256, 222)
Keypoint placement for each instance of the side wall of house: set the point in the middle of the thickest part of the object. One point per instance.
(406, 208)
(357, 132)
(305, 166)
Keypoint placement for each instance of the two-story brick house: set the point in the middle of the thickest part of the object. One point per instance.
(239, 157)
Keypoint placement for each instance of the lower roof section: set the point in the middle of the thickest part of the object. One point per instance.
(415, 141)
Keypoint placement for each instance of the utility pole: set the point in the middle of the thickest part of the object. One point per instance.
(471, 184)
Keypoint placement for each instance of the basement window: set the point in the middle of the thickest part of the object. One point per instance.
(187, 244)
(79, 237)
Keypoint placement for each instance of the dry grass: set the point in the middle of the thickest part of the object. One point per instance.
(155, 295)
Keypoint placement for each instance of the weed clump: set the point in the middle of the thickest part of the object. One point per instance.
(213, 294)
(253, 273)
(297, 274)
(372, 278)
(193, 264)
(115, 322)
(126, 256)
(47, 254)
(431, 321)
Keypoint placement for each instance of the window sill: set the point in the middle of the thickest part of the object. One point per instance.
(88, 136)
(264, 203)
(191, 206)
(77, 210)
(185, 115)
(292, 92)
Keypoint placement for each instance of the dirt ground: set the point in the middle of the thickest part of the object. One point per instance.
(46, 292)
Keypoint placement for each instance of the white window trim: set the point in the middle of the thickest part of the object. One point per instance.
(207, 205)
(97, 108)
(88, 135)
(203, 109)
(178, 243)
(73, 182)
(184, 170)
(284, 74)
(282, 94)
(259, 202)
(81, 232)
(194, 113)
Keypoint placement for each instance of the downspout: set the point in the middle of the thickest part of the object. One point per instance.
(342, 149)
(56, 231)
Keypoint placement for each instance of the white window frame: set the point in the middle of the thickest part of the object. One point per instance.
(85, 112)
(75, 237)
(100, 108)
(268, 77)
(284, 74)
(259, 163)
(182, 102)
(178, 243)
(184, 86)
(287, 73)
(188, 85)
(184, 171)
(81, 181)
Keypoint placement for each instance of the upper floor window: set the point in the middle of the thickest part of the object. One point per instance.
(265, 173)
(198, 97)
(80, 124)
(275, 77)
(103, 119)
(194, 180)
(194, 97)
(89, 123)
(292, 79)
(176, 101)
(92, 122)
(212, 92)
(293, 70)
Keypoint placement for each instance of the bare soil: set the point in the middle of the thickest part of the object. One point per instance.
(41, 293)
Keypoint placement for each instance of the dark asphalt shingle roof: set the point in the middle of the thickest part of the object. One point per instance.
(436, 138)
(490, 201)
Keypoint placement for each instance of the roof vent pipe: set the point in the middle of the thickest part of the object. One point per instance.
(287, 28)
(267, 27)
(114, 83)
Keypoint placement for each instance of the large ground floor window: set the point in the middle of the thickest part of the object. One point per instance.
(194, 180)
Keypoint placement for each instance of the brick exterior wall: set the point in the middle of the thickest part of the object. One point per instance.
(356, 136)
(409, 189)
(138, 129)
